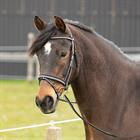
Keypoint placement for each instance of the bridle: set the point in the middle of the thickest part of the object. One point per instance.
(51, 79)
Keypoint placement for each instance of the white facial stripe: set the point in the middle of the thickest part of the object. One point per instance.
(48, 48)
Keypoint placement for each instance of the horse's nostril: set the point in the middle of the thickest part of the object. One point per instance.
(48, 101)
(45, 104)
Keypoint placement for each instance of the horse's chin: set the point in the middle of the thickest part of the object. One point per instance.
(47, 111)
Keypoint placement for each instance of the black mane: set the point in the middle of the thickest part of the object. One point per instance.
(79, 25)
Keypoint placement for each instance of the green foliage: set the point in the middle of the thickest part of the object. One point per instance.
(17, 108)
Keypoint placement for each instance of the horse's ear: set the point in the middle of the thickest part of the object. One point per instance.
(39, 23)
(60, 24)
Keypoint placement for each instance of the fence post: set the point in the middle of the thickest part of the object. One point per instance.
(37, 68)
(30, 62)
(53, 133)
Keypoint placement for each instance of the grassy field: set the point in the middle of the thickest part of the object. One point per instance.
(17, 108)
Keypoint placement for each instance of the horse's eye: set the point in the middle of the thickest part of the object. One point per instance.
(63, 54)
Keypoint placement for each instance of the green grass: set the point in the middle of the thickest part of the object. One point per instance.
(17, 108)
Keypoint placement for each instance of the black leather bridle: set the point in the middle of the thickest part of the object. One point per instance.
(65, 82)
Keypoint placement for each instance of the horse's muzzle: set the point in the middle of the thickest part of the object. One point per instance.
(48, 96)
(47, 105)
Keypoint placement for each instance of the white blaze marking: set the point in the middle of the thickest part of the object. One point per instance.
(48, 48)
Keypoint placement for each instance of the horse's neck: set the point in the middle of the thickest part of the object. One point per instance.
(97, 68)
(98, 88)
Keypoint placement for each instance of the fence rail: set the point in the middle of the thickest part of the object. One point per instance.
(11, 56)
(51, 123)
(53, 132)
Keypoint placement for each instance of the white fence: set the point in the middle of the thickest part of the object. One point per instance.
(53, 132)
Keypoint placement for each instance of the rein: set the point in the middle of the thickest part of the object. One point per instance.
(86, 121)
(94, 126)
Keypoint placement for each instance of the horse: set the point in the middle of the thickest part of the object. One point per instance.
(104, 80)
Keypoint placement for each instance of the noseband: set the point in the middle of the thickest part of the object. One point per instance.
(50, 78)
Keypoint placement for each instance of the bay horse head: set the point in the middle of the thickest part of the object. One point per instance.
(55, 50)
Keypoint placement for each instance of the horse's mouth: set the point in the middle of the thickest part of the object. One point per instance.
(45, 111)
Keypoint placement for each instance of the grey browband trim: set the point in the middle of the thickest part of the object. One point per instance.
(68, 38)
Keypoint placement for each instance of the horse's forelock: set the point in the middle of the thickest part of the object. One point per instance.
(41, 39)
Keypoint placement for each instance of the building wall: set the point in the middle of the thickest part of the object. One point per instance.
(117, 20)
